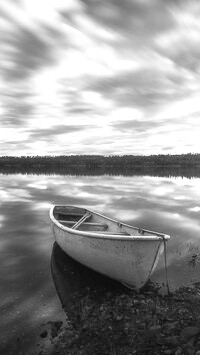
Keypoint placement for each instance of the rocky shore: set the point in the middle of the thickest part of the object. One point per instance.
(127, 322)
(105, 318)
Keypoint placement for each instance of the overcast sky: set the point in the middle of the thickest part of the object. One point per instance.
(99, 77)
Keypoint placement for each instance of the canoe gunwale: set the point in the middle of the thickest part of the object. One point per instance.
(154, 236)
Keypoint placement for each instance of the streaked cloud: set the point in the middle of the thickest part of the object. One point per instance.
(102, 77)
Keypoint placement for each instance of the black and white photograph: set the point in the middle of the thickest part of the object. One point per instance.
(100, 177)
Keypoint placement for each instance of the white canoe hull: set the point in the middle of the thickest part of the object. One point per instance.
(129, 259)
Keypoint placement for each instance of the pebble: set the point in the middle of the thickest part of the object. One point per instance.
(158, 310)
(181, 311)
(192, 298)
(84, 327)
(190, 351)
(173, 340)
(155, 328)
(171, 326)
(141, 296)
(103, 314)
(191, 342)
(189, 332)
(154, 333)
(127, 317)
(43, 334)
(168, 352)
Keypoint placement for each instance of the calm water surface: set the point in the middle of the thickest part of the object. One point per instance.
(28, 299)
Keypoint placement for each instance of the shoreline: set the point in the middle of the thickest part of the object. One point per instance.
(128, 322)
(104, 317)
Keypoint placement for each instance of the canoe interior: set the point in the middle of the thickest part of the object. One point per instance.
(82, 219)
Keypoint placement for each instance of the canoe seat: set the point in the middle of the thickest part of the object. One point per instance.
(92, 227)
(63, 221)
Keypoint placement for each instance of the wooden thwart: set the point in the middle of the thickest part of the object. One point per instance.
(92, 224)
(83, 219)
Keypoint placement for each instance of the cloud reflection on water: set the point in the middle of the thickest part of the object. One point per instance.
(25, 289)
(162, 204)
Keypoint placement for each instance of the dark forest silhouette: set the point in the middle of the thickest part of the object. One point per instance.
(155, 165)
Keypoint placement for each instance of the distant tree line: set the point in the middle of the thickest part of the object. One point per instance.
(154, 165)
(99, 161)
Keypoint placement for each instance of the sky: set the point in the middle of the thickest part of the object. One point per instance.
(99, 77)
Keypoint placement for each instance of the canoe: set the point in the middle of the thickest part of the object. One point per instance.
(120, 251)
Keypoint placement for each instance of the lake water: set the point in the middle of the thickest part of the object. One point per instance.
(28, 299)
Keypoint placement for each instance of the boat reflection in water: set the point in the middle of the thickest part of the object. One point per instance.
(75, 282)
